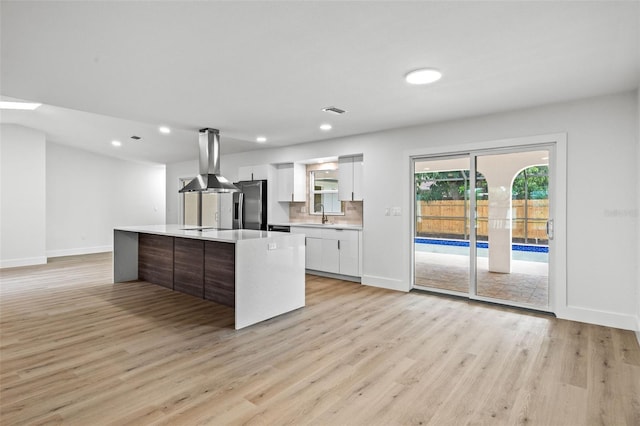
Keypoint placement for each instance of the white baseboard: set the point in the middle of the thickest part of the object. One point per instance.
(605, 318)
(27, 261)
(383, 282)
(78, 251)
(331, 275)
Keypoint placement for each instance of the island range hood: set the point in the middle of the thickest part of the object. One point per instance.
(209, 179)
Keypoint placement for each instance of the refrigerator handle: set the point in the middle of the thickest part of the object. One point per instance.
(240, 210)
(261, 225)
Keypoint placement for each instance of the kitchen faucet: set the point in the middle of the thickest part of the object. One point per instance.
(324, 217)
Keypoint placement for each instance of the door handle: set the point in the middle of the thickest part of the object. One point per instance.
(550, 229)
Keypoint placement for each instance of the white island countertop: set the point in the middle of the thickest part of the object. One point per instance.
(201, 232)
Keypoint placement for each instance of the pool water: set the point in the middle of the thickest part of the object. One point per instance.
(524, 252)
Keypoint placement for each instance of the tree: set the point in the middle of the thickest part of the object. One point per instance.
(450, 185)
(532, 183)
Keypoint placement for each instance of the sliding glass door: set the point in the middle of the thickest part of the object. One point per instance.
(485, 238)
(513, 265)
(442, 224)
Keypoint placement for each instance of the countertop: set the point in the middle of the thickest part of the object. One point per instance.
(320, 225)
(201, 232)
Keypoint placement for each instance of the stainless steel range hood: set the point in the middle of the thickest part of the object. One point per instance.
(209, 179)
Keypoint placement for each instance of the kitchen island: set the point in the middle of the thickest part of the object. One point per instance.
(258, 273)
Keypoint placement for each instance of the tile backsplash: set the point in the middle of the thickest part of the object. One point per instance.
(299, 212)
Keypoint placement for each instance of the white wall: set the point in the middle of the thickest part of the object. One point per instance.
(22, 199)
(88, 195)
(602, 276)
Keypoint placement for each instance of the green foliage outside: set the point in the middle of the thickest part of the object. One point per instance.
(537, 184)
(450, 185)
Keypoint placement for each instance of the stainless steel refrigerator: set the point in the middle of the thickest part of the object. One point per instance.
(250, 205)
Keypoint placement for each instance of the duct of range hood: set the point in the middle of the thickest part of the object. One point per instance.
(209, 179)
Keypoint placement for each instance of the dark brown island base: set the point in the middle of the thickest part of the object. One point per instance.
(260, 274)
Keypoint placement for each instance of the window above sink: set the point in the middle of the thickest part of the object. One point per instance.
(323, 192)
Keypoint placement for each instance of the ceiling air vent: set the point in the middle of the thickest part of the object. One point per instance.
(334, 110)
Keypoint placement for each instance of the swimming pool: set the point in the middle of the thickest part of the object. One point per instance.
(527, 252)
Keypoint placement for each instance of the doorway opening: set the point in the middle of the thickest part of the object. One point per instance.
(199, 208)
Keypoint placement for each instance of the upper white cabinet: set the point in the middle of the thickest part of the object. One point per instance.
(254, 172)
(291, 182)
(350, 178)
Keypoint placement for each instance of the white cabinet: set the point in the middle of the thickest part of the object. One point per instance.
(349, 257)
(332, 250)
(350, 178)
(313, 253)
(254, 172)
(291, 182)
(322, 255)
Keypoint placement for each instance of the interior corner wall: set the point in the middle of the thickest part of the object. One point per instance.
(22, 199)
(89, 194)
(638, 213)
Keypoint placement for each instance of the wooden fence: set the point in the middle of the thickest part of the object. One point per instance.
(446, 218)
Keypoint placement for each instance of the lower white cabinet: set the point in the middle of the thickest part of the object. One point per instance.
(322, 255)
(313, 253)
(349, 257)
(332, 250)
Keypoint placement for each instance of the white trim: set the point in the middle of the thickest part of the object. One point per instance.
(26, 261)
(478, 146)
(79, 251)
(332, 275)
(593, 316)
(383, 282)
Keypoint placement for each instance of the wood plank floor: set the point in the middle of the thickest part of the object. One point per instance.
(76, 349)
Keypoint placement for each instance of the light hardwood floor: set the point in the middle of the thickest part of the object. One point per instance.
(76, 349)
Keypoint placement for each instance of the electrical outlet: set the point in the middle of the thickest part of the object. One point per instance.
(272, 246)
(396, 211)
(387, 211)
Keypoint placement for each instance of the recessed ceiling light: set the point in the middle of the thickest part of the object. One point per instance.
(116, 143)
(423, 76)
(164, 130)
(261, 139)
(30, 106)
(326, 126)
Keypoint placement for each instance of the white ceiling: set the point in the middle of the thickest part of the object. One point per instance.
(109, 70)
